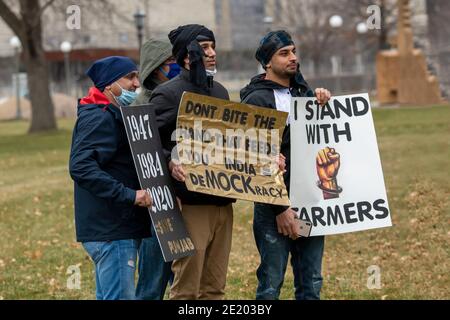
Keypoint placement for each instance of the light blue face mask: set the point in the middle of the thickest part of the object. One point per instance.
(126, 97)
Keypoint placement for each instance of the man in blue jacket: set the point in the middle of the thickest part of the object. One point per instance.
(110, 211)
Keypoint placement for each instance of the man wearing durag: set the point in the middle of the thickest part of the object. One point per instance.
(209, 219)
(274, 226)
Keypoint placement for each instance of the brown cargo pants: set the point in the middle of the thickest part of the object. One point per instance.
(203, 275)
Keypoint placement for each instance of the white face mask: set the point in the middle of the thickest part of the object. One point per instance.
(211, 73)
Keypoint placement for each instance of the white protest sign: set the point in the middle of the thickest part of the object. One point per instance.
(336, 176)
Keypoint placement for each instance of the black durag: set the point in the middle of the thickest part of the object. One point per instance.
(185, 40)
(269, 45)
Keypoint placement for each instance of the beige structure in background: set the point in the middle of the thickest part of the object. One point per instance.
(402, 73)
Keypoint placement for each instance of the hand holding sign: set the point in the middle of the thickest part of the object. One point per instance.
(323, 96)
(143, 199)
(327, 164)
(281, 161)
(177, 171)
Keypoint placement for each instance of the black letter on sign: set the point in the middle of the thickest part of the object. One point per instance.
(349, 213)
(334, 215)
(377, 206)
(364, 209)
(345, 132)
(295, 111)
(194, 179)
(310, 111)
(357, 112)
(317, 214)
(304, 215)
(189, 107)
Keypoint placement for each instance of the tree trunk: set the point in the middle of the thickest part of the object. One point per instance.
(383, 39)
(42, 109)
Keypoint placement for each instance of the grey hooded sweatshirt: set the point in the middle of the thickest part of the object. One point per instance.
(153, 54)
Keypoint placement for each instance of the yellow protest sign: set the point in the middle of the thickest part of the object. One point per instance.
(231, 149)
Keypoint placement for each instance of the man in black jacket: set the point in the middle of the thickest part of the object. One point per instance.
(209, 219)
(110, 211)
(274, 226)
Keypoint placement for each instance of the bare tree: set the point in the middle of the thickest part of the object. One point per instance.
(439, 35)
(308, 22)
(438, 24)
(388, 9)
(27, 25)
(24, 18)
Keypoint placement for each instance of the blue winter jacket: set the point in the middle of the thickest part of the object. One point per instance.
(101, 165)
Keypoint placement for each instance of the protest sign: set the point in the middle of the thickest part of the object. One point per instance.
(151, 168)
(229, 149)
(336, 175)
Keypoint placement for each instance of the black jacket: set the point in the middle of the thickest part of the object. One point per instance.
(166, 100)
(102, 168)
(260, 93)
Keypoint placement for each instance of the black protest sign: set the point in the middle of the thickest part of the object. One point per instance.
(151, 168)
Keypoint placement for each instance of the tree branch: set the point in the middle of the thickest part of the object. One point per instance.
(11, 19)
(46, 5)
(37, 17)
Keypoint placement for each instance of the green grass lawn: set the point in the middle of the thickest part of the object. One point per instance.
(38, 244)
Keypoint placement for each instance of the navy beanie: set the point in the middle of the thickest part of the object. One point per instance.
(271, 43)
(106, 71)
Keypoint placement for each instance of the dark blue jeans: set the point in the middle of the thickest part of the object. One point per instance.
(154, 272)
(274, 249)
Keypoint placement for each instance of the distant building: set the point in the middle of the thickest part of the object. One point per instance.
(117, 30)
(238, 25)
(105, 31)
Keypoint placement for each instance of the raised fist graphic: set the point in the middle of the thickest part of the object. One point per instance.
(327, 164)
